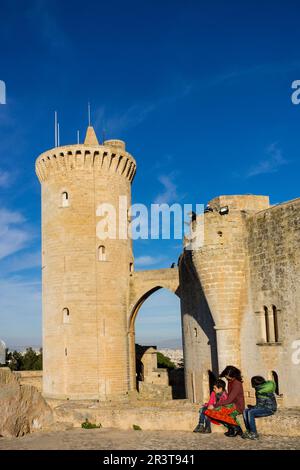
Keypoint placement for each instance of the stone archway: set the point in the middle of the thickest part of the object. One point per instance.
(142, 285)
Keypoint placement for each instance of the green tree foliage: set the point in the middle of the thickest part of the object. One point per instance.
(14, 360)
(164, 362)
(28, 361)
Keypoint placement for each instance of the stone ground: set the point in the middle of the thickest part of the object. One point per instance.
(112, 439)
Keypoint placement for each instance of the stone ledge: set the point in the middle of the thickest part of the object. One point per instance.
(170, 416)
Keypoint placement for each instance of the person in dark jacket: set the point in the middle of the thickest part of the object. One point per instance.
(226, 412)
(265, 405)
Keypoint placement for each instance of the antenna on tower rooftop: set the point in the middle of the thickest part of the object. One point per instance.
(78, 137)
(55, 128)
(89, 113)
(58, 135)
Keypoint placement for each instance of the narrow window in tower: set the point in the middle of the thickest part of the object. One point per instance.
(267, 324)
(66, 315)
(65, 199)
(131, 267)
(101, 253)
(275, 319)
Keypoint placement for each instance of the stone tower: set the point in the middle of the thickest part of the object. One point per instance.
(215, 290)
(85, 279)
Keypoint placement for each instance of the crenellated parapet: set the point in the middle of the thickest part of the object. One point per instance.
(103, 158)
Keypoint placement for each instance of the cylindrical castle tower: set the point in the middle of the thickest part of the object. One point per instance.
(85, 279)
(215, 293)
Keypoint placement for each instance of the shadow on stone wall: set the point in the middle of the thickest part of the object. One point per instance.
(176, 381)
(194, 304)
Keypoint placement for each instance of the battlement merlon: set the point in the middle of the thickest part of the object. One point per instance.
(110, 156)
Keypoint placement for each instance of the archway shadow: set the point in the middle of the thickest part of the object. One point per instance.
(194, 303)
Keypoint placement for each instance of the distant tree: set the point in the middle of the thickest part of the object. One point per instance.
(164, 362)
(39, 361)
(15, 360)
(32, 360)
(29, 361)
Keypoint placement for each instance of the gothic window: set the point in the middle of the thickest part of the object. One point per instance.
(275, 320)
(267, 324)
(270, 325)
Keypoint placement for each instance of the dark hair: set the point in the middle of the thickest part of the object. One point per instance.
(257, 380)
(233, 373)
(220, 384)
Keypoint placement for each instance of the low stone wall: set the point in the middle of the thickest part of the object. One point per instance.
(179, 415)
(30, 377)
(148, 391)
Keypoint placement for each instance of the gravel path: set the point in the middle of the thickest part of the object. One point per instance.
(112, 439)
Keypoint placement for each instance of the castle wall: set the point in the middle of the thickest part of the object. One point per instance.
(274, 276)
(244, 280)
(30, 377)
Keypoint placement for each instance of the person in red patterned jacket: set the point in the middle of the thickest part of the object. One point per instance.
(226, 412)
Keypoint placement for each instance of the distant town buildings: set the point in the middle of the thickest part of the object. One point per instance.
(175, 355)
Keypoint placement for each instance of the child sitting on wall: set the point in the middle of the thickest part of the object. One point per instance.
(265, 405)
(217, 395)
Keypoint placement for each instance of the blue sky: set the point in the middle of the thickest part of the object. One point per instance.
(200, 91)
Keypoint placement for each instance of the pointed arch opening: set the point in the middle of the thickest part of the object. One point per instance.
(156, 343)
(275, 379)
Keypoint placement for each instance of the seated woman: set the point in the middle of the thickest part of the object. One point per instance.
(226, 412)
(265, 405)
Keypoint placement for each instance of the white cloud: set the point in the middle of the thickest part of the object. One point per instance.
(256, 71)
(273, 161)
(148, 260)
(14, 236)
(5, 179)
(169, 193)
(138, 113)
(21, 262)
(130, 118)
